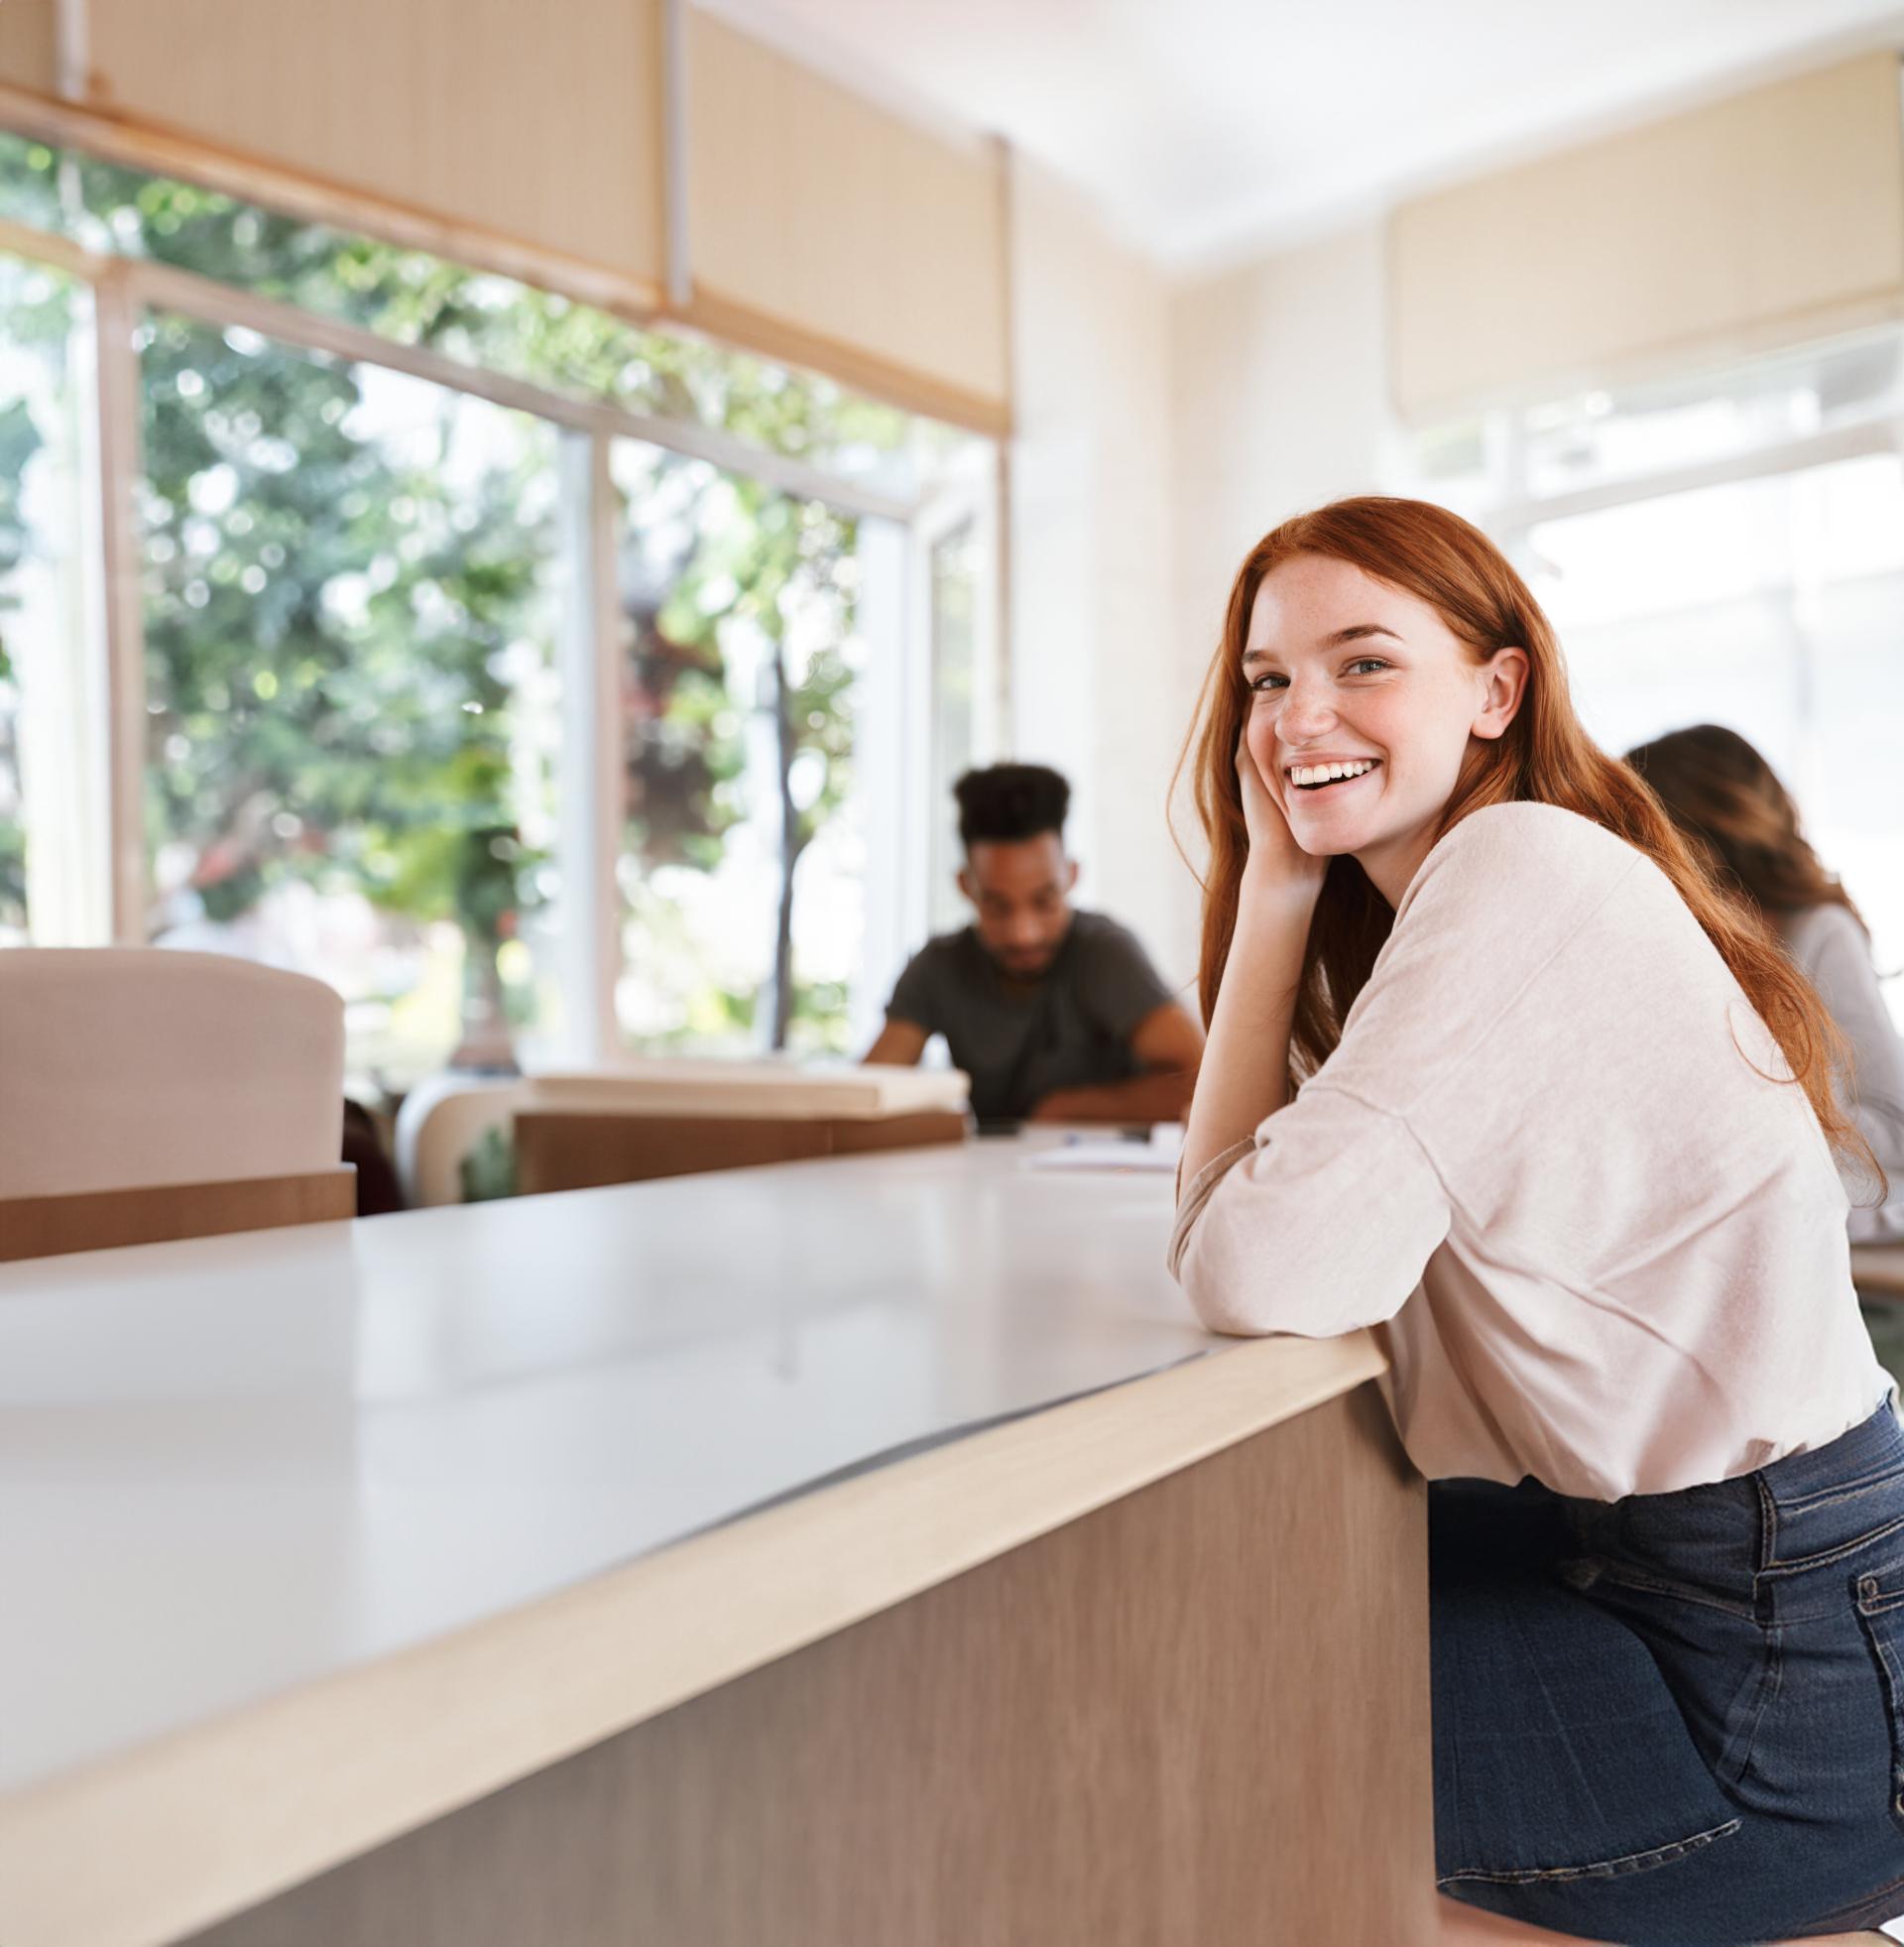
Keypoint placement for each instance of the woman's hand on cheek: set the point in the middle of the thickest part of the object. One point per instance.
(1277, 867)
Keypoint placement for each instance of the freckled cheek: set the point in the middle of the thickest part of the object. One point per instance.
(1384, 732)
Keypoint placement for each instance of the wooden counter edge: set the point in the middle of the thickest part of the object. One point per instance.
(34, 1227)
(1877, 1270)
(211, 1819)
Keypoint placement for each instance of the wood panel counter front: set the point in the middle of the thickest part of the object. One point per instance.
(851, 1554)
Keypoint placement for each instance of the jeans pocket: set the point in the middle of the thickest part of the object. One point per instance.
(1879, 1595)
(1562, 1750)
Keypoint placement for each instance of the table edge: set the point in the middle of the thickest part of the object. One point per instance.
(214, 1818)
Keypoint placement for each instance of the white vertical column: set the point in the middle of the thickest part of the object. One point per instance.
(72, 50)
(608, 801)
(589, 790)
(891, 763)
(674, 159)
(120, 463)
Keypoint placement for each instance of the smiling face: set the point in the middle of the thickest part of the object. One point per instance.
(1363, 705)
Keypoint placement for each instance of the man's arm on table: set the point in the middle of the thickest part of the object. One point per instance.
(1168, 1045)
(900, 1042)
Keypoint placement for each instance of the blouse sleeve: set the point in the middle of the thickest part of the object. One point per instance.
(1839, 964)
(1322, 1222)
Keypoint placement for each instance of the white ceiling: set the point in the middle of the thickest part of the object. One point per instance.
(1207, 129)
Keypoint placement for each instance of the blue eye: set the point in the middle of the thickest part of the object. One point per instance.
(1364, 665)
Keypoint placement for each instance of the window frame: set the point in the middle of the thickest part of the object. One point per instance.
(1501, 499)
(126, 289)
(1508, 508)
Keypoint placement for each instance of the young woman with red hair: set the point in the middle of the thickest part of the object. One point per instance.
(1496, 1069)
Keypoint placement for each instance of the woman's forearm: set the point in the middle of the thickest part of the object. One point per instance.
(1245, 1074)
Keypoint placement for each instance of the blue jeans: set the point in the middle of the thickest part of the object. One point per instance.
(1676, 1720)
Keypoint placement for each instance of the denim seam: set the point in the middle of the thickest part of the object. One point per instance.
(1894, 1684)
(1840, 1489)
(1771, 1681)
(1767, 1527)
(1771, 1675)
(1605, 1869)
(1619, 1577)
(1825, 1556)
(1859, 1908)
(1884, 1656)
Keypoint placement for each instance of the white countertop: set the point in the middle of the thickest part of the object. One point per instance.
(233, 1466)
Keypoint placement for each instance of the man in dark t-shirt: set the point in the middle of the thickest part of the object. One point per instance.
(1056, 1015)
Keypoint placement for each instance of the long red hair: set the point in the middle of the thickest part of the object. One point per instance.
(1545, 757)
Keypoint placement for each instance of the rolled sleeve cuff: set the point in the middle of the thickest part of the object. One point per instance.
(1190, 1203)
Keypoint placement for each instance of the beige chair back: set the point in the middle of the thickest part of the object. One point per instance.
(150, 1094)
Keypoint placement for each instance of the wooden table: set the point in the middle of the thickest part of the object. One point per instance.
(523, 1573)
(1877, 1270)
(671, 1117)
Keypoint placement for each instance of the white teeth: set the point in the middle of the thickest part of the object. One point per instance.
(1326, 773)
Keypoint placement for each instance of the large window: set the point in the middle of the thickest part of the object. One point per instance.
(52, 823)
(955, 708)
(520, 671)
(741, 669)
(352, 704)
(1727, 548)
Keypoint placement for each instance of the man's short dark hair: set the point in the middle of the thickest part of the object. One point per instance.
(1008, 802)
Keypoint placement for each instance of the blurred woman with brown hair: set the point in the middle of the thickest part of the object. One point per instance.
(1731, 806)
(1498, 1071)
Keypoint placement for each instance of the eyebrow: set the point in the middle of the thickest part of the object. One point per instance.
(1355, 633)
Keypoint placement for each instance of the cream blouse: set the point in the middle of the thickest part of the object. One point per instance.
(1831, 950)
(1551, 1162)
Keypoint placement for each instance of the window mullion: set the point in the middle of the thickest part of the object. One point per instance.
(116, 395)
(602, 736)
(591, 771)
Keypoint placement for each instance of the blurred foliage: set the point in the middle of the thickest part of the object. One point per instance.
(762, 569)
(19, 441)
(488, 1171)
(335, 622)
(330, 632)
(38, 306)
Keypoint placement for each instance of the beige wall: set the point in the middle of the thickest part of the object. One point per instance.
(1278, 401)
(1162, 429)
(1097, 683)
(28, 44)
